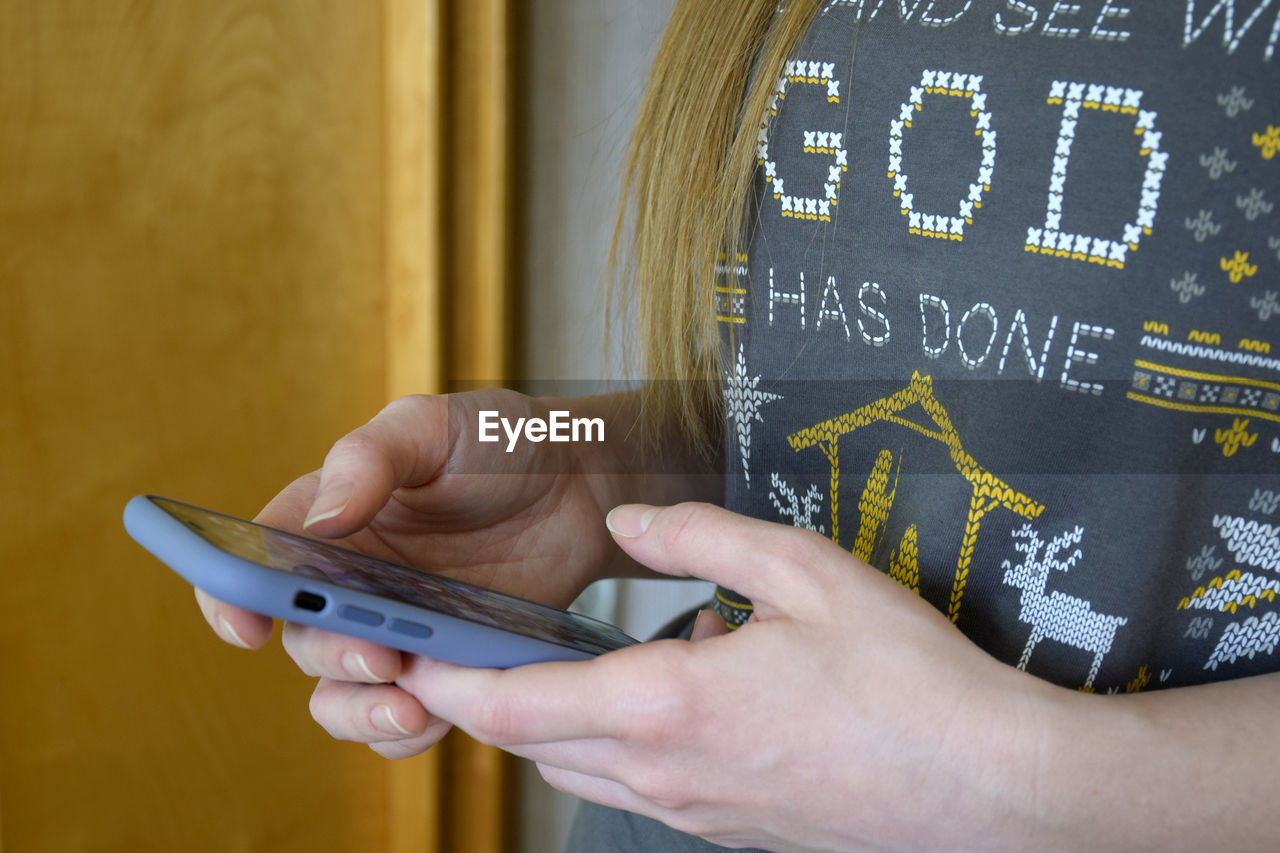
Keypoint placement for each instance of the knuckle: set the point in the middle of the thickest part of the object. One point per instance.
(344, 711)
(664, 789)
(818, 565)
(434, 733)
(816, 547)
(662, 707)
(408, 405)
(654, 729)
(495, 721)
(297, 647)
(799, 565)
(410, 409)
(683, 524)
(391, 444)
(320, 707)
(396, 750)
(353, 445)
(794, 561)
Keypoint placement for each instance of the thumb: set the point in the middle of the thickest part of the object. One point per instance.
(772, 564)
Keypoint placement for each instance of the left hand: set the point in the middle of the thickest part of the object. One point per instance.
(846, 714)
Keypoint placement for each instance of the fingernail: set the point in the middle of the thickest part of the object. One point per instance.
(630, 520)
(229, 634)
(331, 501)
(356, 666)
(385, 721)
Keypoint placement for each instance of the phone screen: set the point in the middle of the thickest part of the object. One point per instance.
(288, 552)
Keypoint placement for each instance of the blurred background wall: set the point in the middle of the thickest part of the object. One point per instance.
(587, 62)
(230, 231)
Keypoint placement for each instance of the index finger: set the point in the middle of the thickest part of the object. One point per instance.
(406, 444)
(535, 703)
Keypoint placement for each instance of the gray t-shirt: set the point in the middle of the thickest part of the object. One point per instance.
(1005, 325)
(1005, 328)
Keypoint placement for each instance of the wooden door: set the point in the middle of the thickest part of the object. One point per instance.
(219, 250)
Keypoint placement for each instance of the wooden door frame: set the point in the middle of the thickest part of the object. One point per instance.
(449, 258)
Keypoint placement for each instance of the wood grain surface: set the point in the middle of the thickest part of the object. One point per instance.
(207, 274)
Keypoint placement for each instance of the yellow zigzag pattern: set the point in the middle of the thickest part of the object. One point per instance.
(1199, 337)
(1229, 592)
(988, 493)
(904, 564)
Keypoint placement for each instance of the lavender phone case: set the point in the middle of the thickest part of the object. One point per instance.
(311, 582)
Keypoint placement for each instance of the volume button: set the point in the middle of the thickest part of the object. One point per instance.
(410, 629)
(358, 614)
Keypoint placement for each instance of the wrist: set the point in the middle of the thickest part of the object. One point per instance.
(1080, 781)
(1016, 741)
(1012, 740)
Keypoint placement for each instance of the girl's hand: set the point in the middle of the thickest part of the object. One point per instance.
(846, 714)
(414, 486)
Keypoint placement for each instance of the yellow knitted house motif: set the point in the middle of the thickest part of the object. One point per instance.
(988, 492)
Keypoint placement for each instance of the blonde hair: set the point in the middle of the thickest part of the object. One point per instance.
(685, 192)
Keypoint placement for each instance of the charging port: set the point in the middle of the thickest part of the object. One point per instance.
(309, 601)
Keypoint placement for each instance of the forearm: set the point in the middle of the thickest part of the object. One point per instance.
(1171, 769)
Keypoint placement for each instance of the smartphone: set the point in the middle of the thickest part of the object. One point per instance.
(311, 582)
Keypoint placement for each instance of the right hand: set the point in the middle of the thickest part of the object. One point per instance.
(392, 488)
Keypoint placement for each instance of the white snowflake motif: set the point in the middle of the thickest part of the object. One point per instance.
(742, 401)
